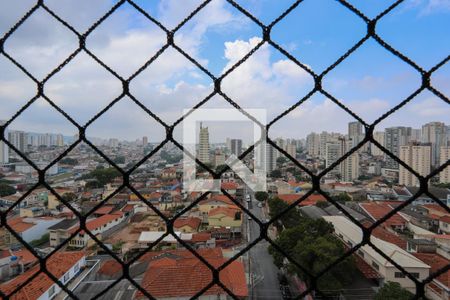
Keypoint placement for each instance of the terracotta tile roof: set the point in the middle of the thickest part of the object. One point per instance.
(387, 236)
(228, 211)
(378, 210)
(310, 200)
(192, 222)
(19, 225)
(110, 267)
(106, 209)
(445, 219)
(436, 207)
(98, 222)
(229, 185)
(219, 198)
(441, 236)
(368, 271)
(436, 262)
(181, 274)
(128, 208)
(58, 264)
(201, 237)
(26, 256)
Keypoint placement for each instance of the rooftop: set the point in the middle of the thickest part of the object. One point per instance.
(180, 274)
(58, 264)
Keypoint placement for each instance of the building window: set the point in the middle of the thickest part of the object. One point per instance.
(399, 275)
(76, 268)
(51, 291)
(375, 265)
(361, 253)
(416, 275)
(66, 277)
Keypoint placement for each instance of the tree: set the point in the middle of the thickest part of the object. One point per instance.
(42, 240)
(276, 174)
(261, 196)
(289, 219)
(119, 159)
(323, 204)
(281, 160)
(393, 291)
(315, 254)
(102, 176)
(312, 245)
(69, 161)
(342, 197)
(6, 190)
(220, 168)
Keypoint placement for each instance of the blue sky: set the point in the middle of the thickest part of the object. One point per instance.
(317, 32)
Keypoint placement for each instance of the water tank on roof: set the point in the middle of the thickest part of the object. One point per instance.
(13, 258)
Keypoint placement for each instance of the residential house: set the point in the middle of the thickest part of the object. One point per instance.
(65, 266)
(352, 235)
(444, 224)
(28, 229)
(187, 224)
(97, 227)
(61, 231)
(188, 275)
(225, 217)
(439, 288)
(377, 210)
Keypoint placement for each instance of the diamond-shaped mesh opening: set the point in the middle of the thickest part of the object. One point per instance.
(131, 53)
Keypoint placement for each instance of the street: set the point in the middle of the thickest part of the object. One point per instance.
(265, 281)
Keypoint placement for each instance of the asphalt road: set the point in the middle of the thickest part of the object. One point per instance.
(266, 285)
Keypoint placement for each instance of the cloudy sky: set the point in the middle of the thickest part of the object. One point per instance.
(317, 33)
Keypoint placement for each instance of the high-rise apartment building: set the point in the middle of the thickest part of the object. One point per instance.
(333, 153)
(418, 157)
(379, 137)
(435, 133)
(349, 168)
(313, 144)
(203, 148)
(144, 141)
(18, 139)
(444, 175)
(355, 129)
(416, 135)
(219, 158)
(291, 149)
(395, 137)
(271, 158)
(236, 146)
(4, 149)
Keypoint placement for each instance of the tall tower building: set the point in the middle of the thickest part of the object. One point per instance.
(444, 176)
(394, 138)
(418, 157)
(356, 135)
(291, 149)
(333, 153)
(379, 137)
(436, 134)
(144, 141)
(236, 146)
(349, 168)
(203, 149)
(59, 140)
(271, 158)
(313, 144)
(18, 139)
(4, 149)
